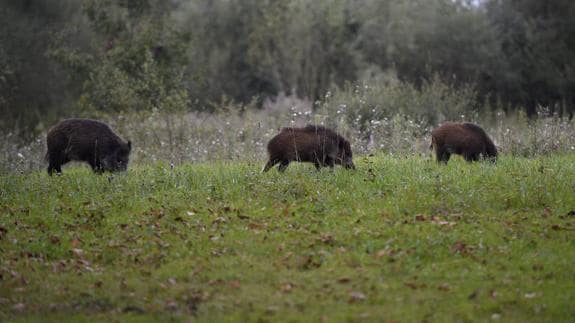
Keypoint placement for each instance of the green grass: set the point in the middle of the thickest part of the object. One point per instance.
(399, 239)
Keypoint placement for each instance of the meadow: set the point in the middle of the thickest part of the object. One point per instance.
(401, 239)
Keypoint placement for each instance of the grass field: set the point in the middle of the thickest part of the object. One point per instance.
(400, 239)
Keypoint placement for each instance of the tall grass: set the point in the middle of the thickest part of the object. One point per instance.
(382, 115)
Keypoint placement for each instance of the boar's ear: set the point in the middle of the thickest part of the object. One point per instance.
(129, 145)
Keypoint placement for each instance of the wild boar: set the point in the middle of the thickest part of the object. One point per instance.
(465, 139)
(86, 140)
(315, 144)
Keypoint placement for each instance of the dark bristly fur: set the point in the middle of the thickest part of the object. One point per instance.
(465, 139)
(315, 144)
(86, 140)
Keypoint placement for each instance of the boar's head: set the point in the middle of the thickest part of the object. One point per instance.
(344, 155)
(117, 159)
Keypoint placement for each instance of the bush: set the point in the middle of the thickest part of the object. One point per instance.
(383, 97)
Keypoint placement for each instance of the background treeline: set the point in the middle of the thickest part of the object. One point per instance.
(70, 57)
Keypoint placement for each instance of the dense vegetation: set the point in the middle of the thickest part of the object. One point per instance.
(64, 57)
(397, 240)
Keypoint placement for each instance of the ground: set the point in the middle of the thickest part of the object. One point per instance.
(400, 239)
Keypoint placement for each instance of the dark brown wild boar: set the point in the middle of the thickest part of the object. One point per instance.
(465, 139)
(315, 144)
(86, 140)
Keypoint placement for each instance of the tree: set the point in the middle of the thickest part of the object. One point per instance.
(32, 87)
(136, 58)
(538, 39)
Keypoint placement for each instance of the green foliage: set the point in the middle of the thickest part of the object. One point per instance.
(86, 57)
(136, 85)
(252, 48)
(382, 97)
(305, 55)
(423, 39)
(398, 239)
(32, 88)
(138, 64)
(536, 38)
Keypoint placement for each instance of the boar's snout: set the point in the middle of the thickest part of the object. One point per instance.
(348, 163)
(111, 165)
(121, 166)
(492, 159)
(116, 162)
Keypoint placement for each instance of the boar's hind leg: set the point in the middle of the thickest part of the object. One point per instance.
(269, 165)
(328, 162)
(471, 157)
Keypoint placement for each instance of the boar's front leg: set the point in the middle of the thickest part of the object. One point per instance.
(96, 166)
(283, 165)
(330, 162)
(269, 165)
(52, 168)
(470, 157)
(55, 163)
(442, 155)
